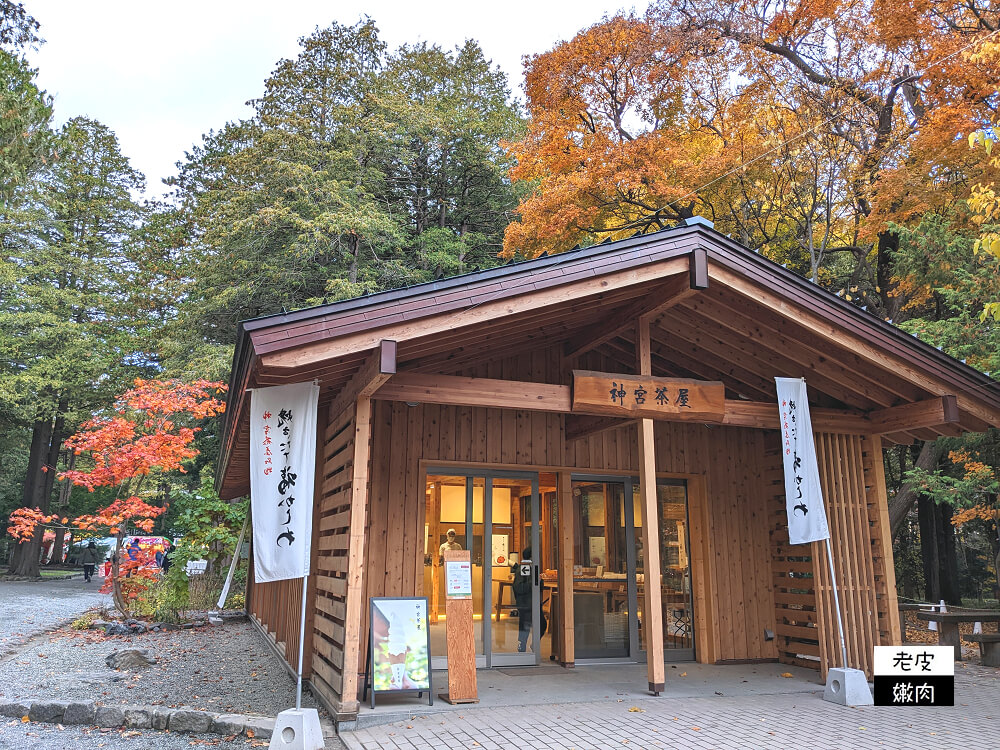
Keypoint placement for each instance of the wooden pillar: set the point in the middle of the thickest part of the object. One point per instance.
(356, 554)
(565, 568)
(653, 607)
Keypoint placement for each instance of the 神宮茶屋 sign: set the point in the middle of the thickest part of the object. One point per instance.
(645, 396)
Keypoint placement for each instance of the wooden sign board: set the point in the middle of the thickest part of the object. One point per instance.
(462, 687)
(648, 397)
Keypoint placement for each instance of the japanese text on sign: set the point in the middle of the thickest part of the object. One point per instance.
(647, 396)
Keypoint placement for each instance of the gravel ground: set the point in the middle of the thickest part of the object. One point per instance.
(28, 608)
(16, 736)
(226, 669)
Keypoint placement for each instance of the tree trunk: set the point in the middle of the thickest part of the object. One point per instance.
(929, 549)
(937, 546)
(62, 502)
(24, 561)
(57, 546)
(352, 273)
(947, 556)
(902, 501)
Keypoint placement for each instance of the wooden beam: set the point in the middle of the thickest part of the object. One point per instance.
(356, 553)
(463, 391)
(567, 626)
(748, 324)
(515, 394)
(675, 289)
(652, 584)
(933, 412)
(377, 369)
(763, 415)
(985, 409)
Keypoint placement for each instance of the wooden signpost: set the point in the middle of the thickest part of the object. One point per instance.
(462, 686)
(647, 397)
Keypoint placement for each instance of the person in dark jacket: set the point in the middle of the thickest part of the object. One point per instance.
(523, 588)
(89, 559)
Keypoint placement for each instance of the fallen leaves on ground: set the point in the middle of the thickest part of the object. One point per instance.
(787, 674)
(637, 710)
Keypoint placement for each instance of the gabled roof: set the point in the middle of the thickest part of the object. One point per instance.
(855, 359)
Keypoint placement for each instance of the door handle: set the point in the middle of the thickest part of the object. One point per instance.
(536, 575)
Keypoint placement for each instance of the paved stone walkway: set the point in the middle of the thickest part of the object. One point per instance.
(31, 607)
(800, 720)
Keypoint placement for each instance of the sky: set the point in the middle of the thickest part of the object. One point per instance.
(162, 74)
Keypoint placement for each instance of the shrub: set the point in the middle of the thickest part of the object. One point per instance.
(84, 621)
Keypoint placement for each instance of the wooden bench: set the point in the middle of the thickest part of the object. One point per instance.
(948, 622)
(989, 647)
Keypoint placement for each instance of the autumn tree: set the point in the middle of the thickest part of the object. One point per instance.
(146, 435)
(71, 324)
(711, 107)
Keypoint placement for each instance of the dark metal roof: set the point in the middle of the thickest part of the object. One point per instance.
(578, 254)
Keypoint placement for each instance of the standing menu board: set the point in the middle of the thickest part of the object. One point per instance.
(399, 647)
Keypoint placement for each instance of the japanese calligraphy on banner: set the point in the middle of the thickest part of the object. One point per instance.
(803, 493)
(282, 466)
(648, 397)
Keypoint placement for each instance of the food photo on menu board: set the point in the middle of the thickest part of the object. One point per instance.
(400, 658)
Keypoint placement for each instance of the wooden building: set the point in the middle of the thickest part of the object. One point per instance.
(657, 532)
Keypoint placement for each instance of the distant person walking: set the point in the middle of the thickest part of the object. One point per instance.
(89, 559)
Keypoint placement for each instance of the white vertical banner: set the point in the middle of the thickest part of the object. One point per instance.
(803, 493)
(282, 469)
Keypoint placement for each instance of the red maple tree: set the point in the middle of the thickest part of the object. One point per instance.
(148, 432)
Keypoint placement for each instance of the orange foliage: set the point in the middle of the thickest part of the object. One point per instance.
(140, 437)
(743, 111)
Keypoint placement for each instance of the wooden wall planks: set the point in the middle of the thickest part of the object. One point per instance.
(751, 580)
(726, 460)
(854, 494)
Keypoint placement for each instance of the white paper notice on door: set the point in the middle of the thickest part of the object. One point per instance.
(597, 549)
(458, 579)
(501, 554)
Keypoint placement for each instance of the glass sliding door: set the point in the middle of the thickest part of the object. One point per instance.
(508, 520)
(495, 515)
(604, 587)
(453, 520)
(675, 568)
(515, 569)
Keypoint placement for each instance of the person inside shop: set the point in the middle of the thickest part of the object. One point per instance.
(449, 544)
(523, 587)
